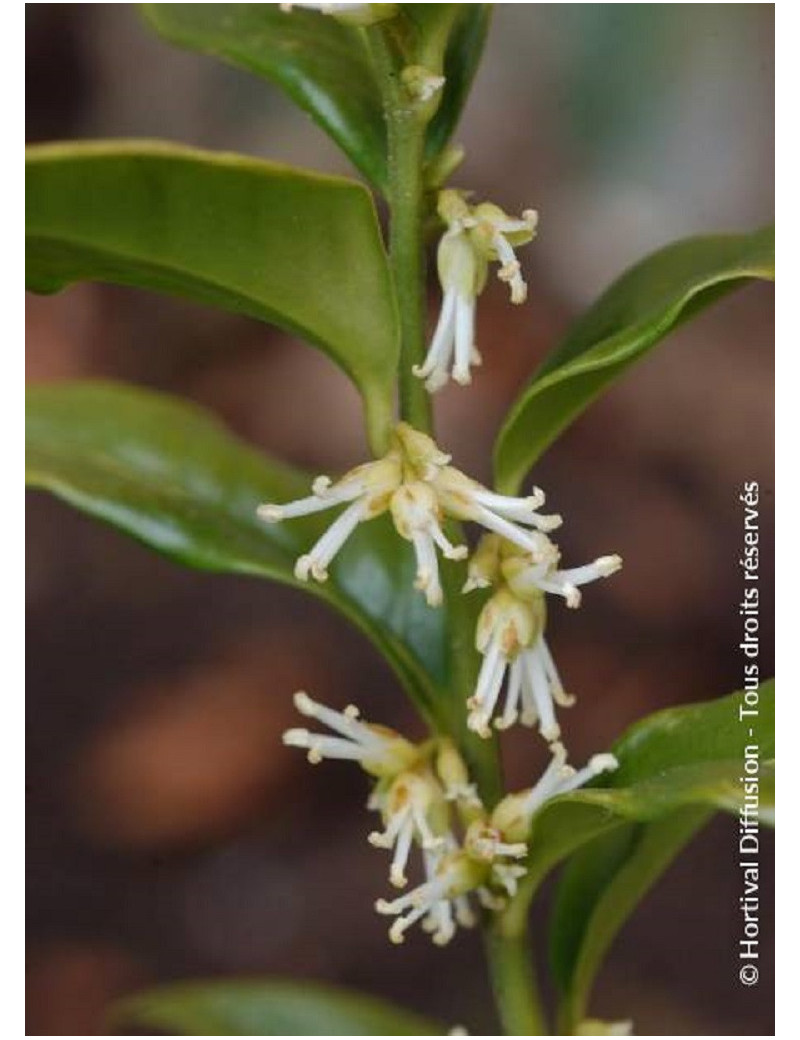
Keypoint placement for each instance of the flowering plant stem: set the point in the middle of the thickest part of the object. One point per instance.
(514, 981)
(405, 127)
(509, 957)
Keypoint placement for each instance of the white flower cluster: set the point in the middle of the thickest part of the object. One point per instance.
(422, 791)
(418, 487)
(510, 633)
(416, 484)
(423, 795)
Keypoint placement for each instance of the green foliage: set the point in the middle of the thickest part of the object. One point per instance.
(322, 64)
(630, 318)
(451, 36)
(305, 252)
(268, 1009)
(601, 886)
(285, 246)
(690, 755)
(169, 475)
(675, 767)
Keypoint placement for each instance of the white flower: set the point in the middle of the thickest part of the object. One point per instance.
(367, 491)
(413, 809)
(475, 235)
(513, 815)
(516, 519)
(510, 633)
(397, 482)
(440, 902)
(526, 577)
(510, 637)
(378, 750)
(486, 843)
(417, 517)
(415, 482)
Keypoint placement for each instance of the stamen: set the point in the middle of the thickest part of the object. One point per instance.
(273, 513)
(450, 551)
(322, 553)
(511, 712)
(402, 850)
(598, 764)
(343, 722)
(560, 696)
(440, 351)
(464, 335)
(427, 568)
(540, 689)
(505, 528)
(320, 747)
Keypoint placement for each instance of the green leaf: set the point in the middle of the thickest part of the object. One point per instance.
(171, 476)
(267, 1009)
(461, 60)
(322, 64)
(630, 318)
(600, 888)
(683, 757)
(675, 767)
(284, 246)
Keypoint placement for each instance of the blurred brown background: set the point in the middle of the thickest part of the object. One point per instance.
(170, 834)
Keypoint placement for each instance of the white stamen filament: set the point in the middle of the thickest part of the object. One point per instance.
(317, 560)
(435, 367)
(464, 339)
(320, 747)
(538, 690)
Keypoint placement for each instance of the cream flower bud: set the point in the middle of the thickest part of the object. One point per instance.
(420, 83)
(483, 569)
(420, 453)
(454, 776)
(513, 623)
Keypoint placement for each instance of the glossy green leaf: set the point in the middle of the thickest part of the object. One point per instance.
(284, 246)
(322, 64)
(692, 757)
(168, 474)
(630, 318)
(683, 757)
(267, 1009)
(600, 888)
(462, 57)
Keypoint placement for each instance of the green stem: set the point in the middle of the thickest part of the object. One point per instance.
(507, 949)
(405, 127)
(514, 981)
